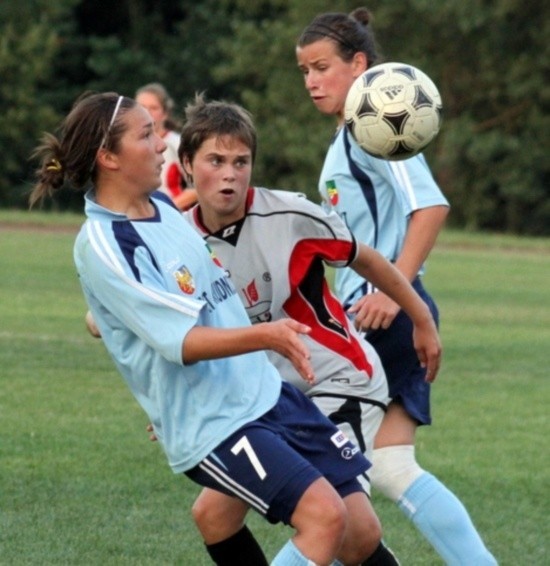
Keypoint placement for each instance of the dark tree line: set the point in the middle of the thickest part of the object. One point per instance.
(489, 58)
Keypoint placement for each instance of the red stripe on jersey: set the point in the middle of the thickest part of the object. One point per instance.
(311, 301)
(174, 179)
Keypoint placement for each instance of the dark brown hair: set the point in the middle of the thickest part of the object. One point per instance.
(351, 33)
(94, 122)
(215, 118)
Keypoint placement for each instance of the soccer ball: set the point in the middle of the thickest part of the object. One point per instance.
(393, 111)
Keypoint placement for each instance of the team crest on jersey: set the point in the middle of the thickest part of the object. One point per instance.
(332, 192)
(185, 280)
(213, 256)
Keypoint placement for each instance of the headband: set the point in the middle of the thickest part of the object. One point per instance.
(326, 31)
(113, 118)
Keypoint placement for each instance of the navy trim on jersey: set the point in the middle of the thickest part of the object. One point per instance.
(165, 198)
(366, 185)
(129, 240)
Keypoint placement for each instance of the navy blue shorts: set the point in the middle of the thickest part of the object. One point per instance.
(270, 462)
(406, 378)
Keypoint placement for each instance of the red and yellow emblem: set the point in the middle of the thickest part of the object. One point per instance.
(185, 280)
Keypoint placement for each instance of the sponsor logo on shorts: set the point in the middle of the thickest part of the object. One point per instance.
(349, 451)
(339, 439)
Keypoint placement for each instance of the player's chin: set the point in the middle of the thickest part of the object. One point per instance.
(155, 180)
(321, 105)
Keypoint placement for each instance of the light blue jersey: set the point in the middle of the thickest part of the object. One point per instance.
(148, 283)
(375, 198)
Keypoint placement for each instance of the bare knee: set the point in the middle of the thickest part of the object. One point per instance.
(364, 531)
(320, 520)
(217, 516)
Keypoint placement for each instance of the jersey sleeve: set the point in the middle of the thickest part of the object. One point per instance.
(418, 189)
(411, 179)
(139, 305)
(336, 245)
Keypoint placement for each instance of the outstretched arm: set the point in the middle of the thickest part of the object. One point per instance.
(282, 336)
(386, 277)
(206, 343)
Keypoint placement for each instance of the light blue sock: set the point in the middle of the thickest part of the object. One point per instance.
(289, 555)
(445, 523)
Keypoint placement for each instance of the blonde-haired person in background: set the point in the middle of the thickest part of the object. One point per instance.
(155, 99)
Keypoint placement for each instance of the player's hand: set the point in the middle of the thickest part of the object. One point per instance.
(91, 325)
(374, 311)
(284, 338)
(152, 435)
(428, 347)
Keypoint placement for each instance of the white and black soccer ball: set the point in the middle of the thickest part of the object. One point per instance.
(393, 111)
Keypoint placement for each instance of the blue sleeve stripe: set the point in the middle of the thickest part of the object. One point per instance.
(108, 257)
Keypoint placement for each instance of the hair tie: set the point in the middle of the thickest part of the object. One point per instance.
(54, 165)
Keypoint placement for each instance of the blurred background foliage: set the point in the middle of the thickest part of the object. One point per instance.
(489, 58)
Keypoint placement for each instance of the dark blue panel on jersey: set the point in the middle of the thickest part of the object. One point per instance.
(129, 240)
(366, 187)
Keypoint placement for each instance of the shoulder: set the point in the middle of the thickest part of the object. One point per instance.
(278, 200)
(297, 210)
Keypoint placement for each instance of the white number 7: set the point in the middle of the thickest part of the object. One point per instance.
(245, 445)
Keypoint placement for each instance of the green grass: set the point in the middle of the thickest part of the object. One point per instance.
(82, 485)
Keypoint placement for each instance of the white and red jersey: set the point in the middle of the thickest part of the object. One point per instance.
(172, 172)
(275, 257)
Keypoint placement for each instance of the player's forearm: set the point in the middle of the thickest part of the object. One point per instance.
(422, 232)
(389, 280)
(282, 336)
(207, 343)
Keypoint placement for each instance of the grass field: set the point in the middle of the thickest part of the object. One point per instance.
(81, 484)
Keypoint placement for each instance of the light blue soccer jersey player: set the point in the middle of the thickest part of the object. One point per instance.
(178, 333)
(398, 209)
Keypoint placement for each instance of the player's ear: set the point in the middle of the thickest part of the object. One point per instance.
(359, 63)
(106, 159)
(186, 164)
